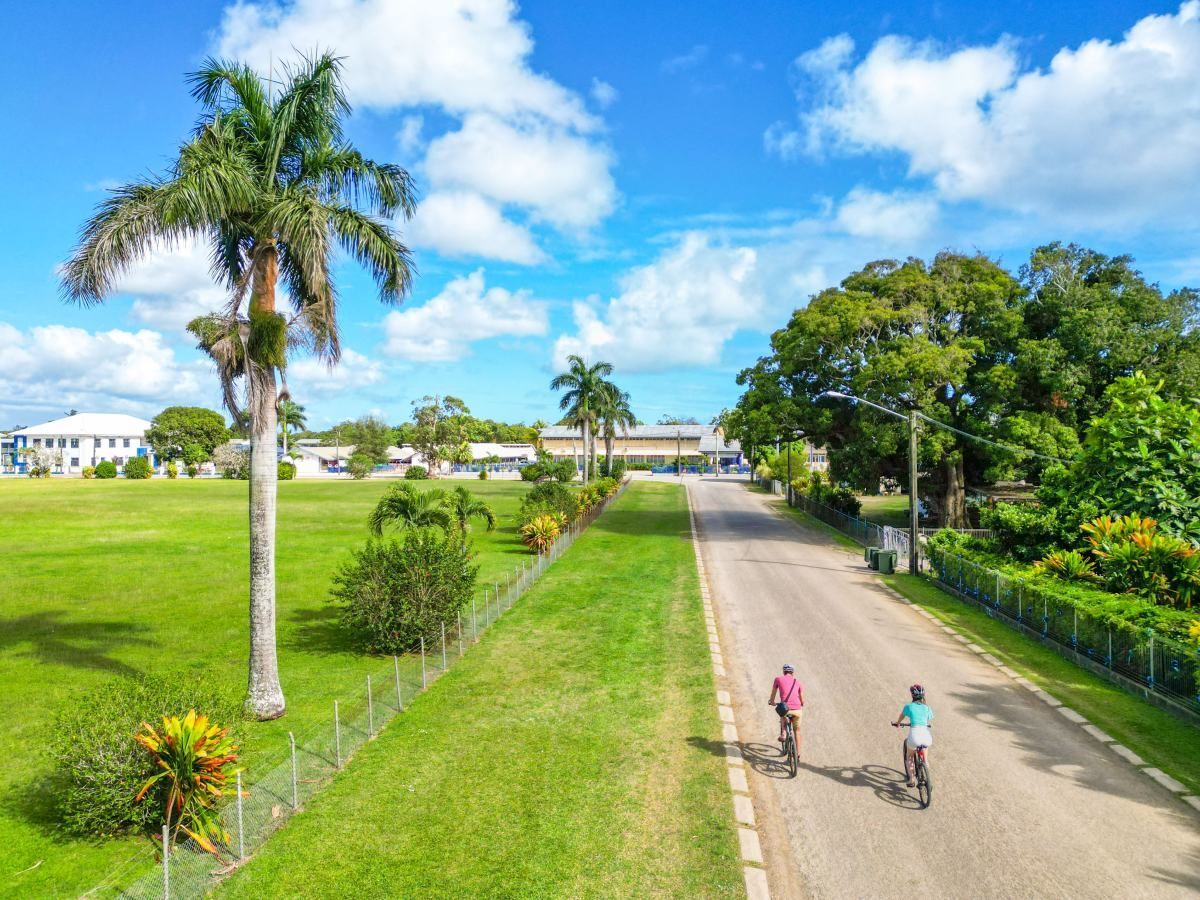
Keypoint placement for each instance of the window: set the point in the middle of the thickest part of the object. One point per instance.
(37, 442)
(119, 460)
(62, 443)
(74, 443)
(74, 462)
(126, 442)
(112, 442)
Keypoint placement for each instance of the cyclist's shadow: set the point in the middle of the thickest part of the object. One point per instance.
(888, 784)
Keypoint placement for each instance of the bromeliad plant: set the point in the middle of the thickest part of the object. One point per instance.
(1069, 565)
(193, 757)
(540, 532)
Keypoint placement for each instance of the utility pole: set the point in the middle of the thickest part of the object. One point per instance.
(789, 484)
(679, 453)
(914, 531)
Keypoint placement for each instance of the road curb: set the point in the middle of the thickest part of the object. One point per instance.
(749, 846)
(1176, 788)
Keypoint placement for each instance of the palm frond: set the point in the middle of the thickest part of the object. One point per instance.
(347, 176)
(377, 248)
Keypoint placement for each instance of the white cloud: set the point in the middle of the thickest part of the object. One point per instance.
(688, 60)
(461, 223)
(525, 142)
(171, 285)
(409, 136)
(676, 312)
(443, 329)
(462, 55)
(1108, 134)
(888, 217)
(558, 176)
(313, 376)
(604, 93)
(56, 367)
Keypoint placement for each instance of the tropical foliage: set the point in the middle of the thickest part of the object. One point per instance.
(394, 593)
(541, 531)
(291, 417)
(465, 506)
(416, 473)
(268, 180)
(585, 392)
(138, 467)
(106, 468)
(360, 465)
(191, 759)
(287, 470)
(407, 507)
(178, 428)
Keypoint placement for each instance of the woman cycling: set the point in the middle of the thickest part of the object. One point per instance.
(791, 701)
(920, 716)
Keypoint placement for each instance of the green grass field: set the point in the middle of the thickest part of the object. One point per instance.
(886, 510)
(103, 579)
(569, 754)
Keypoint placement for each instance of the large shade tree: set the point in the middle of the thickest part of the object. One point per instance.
(583, 386)
(269, 183)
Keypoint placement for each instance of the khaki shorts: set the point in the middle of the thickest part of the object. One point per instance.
(794, 715)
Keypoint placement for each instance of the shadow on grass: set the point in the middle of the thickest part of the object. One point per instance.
(54, 638)
(318, 631)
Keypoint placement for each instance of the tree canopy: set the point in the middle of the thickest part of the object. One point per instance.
(189, 433)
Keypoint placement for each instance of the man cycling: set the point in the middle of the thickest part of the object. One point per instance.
(791, 701)
(920, 717)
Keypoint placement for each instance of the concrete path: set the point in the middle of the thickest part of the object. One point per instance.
(1025, 803)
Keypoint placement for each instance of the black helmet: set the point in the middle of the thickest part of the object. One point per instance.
(918, 692)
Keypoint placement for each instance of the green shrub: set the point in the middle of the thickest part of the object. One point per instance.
(416, 473)
(483, 475)
(172, 470)
(192, 470)
(394, 593)
(106, 469)
(532, 472)
(138, 468)
(360, 465)
(840, 498)
(639, 466)
(548, 497)
(617, 472)
(89, 471)
(99, 767)
(285, 471)
(563, 471)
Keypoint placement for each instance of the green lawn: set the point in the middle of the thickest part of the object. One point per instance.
(102, 579)
(886, 510)
(1162, 739)
(573, 753)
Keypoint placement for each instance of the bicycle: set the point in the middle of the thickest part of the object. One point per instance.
(791, 752)
(920, 769)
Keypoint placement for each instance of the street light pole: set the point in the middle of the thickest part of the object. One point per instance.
(914, 530)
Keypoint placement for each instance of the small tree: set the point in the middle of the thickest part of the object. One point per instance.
(138, 468)
(180, 432)
(360, 465)
(406, 506)
(394, 593)
(439, 428)
(232, 462)
(372, 437)
(106, 468)
(465, 506)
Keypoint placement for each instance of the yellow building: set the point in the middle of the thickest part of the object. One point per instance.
(656, 444)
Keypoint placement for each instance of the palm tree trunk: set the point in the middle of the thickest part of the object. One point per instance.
(285, 426)
(586, 433)
(609, 440)
(264, 695)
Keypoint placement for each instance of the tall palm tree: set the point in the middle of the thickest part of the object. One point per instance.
(465, 506)
(291, 414)
(267, 180)
(582, 384)
(408, 507)
(614, 413)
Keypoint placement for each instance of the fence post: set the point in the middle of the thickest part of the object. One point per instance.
(337, 734)
(166, 839)
(1109, 661)
(460, 647)
(370, 710)
(396, 667)
(1151, 682)
(1020, 600)
(241, 830)
(443, 646)
(474, 623)
(295, 791)
(423, 680)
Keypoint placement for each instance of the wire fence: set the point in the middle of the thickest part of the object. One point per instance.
(1156, 664)
(268, 796)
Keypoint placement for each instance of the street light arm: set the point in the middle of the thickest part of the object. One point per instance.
(840, 396)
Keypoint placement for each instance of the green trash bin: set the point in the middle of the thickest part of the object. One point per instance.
(887, 561)
(867, 553)
(873, 561)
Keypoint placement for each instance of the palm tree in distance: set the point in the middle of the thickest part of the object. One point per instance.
(615, 414)
(268, 182)
(583, 385)
(291, 415)
(408, 507)
(465, 506)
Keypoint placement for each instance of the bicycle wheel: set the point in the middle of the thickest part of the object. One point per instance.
(793, 753)
(924, 783)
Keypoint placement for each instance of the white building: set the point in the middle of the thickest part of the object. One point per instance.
(83, 439)
(505, 453)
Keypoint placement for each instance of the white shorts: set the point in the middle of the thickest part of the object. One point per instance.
(919, 736)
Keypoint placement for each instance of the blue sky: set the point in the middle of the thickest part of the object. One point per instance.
(658, 185)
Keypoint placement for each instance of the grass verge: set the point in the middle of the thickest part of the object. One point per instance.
(566, 755)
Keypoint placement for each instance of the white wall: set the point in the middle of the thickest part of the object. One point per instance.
(78, 451)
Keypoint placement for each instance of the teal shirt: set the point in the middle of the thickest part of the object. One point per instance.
(918, 713)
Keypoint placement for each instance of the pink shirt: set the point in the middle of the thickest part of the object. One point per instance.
(790, 690)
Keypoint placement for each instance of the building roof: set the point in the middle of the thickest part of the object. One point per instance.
(716, 443)
(334, 453)
(504, 451)
(84, 424)
(637, 432)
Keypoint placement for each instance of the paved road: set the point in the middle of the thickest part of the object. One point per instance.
(1025, 804)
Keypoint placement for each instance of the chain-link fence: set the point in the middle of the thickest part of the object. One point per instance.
(1156, 664)
(270, 793)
